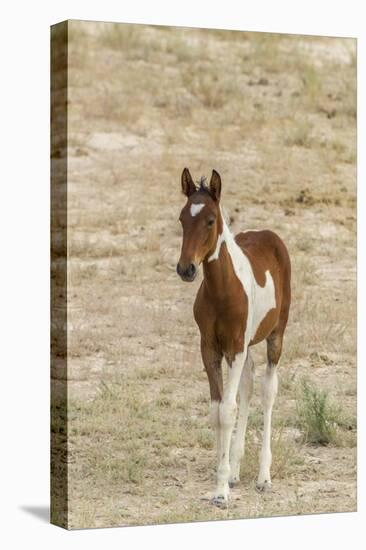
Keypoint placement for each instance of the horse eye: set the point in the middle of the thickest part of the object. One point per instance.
(210, 222)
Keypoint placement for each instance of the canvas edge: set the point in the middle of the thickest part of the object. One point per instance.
(58, 275)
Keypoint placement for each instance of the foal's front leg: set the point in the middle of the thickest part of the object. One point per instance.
(227, 416)
(238, 444)
(212, 361)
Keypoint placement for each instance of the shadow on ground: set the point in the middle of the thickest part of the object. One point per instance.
(40, 512)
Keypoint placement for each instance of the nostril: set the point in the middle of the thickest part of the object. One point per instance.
(188, 272)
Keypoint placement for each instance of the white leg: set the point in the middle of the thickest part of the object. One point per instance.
(215, 423)
(269, 391)
(227, 415)
(245, 394)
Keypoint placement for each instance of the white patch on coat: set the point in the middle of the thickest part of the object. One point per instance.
(196, 208)
(260, 299)
(220, 240)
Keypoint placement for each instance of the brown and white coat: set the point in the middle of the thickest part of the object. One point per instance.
(244, 298)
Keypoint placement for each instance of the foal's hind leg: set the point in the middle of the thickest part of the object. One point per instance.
(245, 394)
(269, 392)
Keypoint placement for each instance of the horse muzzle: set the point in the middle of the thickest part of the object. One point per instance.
(187, 274)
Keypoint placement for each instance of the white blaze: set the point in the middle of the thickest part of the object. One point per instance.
(196, 208)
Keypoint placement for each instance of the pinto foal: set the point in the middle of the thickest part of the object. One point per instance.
(244, 298)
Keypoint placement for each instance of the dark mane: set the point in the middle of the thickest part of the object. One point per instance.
(202, 185)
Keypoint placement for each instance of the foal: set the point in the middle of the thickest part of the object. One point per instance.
(244, 298)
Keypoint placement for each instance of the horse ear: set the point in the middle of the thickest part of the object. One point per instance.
(188, 186)
(215, 185)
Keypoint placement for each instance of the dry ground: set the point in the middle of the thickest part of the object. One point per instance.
(276, 116)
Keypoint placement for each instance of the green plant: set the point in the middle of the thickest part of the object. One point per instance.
(318, 418)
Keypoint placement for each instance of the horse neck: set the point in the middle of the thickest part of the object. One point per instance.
(218, 268)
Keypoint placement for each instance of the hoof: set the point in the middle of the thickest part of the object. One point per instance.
(265, 487)
(233, 483)
(220, 501)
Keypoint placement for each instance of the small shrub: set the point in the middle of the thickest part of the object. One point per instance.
(300, 136)
(205, 439)
(163, 402)
(287, 379)
(135, 467)
(318, 418)
(304, 244)
(312, 82)
(210, 90)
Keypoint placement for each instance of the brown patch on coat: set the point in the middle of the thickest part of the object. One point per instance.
(267, 252)
(221, 305)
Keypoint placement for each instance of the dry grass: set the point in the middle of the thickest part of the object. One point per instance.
(275, 115)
